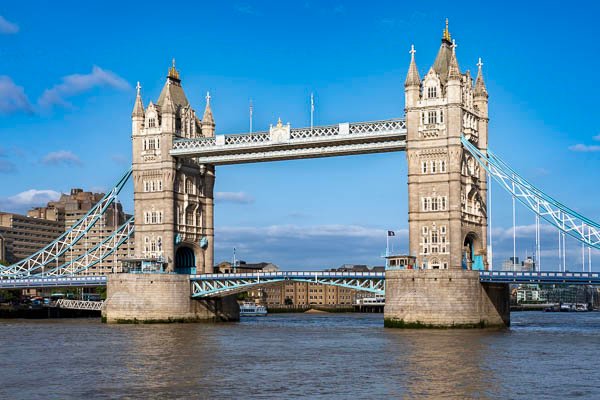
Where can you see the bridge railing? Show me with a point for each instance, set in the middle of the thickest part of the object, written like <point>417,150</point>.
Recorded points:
<point>299,135</point>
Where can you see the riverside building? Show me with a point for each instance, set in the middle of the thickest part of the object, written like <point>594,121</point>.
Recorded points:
<point>69,209</point>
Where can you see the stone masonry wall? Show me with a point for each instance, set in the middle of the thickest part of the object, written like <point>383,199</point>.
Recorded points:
<point>444,298</point>
<point>161,298</point>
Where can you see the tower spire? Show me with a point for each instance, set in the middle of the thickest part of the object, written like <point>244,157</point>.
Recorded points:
<point>453,69</point>
<point>208,115</point>
<point>446,34</point>
<point>412,78</point>
<point>173,73</point>
<point>208,121</point>
<point>480,89</point>
<point>138,107</point>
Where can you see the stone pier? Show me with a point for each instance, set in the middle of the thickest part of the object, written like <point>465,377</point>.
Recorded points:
<point>157,298</point>
<point>444,299</point>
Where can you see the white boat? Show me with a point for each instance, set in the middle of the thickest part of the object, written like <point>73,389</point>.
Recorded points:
<point>252,310</point>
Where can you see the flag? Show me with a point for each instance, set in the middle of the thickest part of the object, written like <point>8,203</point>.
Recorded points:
<point>391,233</point>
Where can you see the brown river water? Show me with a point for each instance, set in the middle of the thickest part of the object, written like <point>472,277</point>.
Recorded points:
<point>283,356</point>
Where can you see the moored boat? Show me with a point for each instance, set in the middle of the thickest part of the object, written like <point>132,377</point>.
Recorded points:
<point>248,309</point>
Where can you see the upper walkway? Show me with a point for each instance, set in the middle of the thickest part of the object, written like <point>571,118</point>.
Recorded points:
<point>282,142</point>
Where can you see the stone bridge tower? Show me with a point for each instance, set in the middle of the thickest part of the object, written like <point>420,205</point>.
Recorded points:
<point>173,197</point>
<point>446,187</point>
<point>447,204</point>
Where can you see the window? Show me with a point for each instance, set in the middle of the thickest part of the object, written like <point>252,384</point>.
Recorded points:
<point>432,92</point>
<point>431,117</point>
<point>189,187</point>
<point>434,167</point>
<point>441,116</point>
<point>443,229</point>
<point>422,118</point>
<point>443,166</point>
<point>434,237</point>
<point>424,167</point>
<point>152,123</point>
<point>425,230</point>
<point>434,204</point>
<point>443,202</point>
<point>426,202</point>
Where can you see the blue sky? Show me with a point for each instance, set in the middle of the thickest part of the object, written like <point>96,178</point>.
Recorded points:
<point>67,78</point>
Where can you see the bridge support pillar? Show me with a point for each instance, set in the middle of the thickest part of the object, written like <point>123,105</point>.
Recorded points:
<point>158,298</point>
<point>444,299</point>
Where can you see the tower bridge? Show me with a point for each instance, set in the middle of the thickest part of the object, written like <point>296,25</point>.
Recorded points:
<point>444,133</point>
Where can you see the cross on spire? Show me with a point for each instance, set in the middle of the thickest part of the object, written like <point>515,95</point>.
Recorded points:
<point>480,63</point>
<point>138,87</point>
<point>412,50</point>
<point>207,98</point>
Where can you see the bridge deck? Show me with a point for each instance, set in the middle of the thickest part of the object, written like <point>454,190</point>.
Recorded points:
<point>325,277</point>
<point>284,143</point>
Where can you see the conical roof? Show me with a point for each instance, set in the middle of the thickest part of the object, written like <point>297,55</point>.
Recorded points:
<point>453,69</point>
<point>480,89</point>
<point>207,118</point>
<point>442,61</point>
<point>138,107</point>
<point>174,89</point>
<point>412,77</point>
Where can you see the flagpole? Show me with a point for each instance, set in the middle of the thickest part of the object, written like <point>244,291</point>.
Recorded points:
<point>251,109</point>
<point>387,248</point>
<point>312,110</point>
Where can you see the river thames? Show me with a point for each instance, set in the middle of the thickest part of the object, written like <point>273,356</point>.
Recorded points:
<point>330,356</point>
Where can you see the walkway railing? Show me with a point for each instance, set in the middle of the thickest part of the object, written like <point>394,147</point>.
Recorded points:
<point>80,304</point>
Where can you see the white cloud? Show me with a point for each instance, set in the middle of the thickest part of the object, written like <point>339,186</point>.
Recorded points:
<point>21,202</point>
<point>61,157</point>
<point>7,27</point>
<point>597,137</point>
<point>72,85</point>
<point>12,97</point>
<point>584,148</point>
<point>234,197</point>
<point>307,247</point>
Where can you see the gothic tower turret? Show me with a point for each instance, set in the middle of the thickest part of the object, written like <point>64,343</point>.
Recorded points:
<point>446,187</point>
<point>412,84</point>
<point>173,197</point>
<point>137,116</point>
